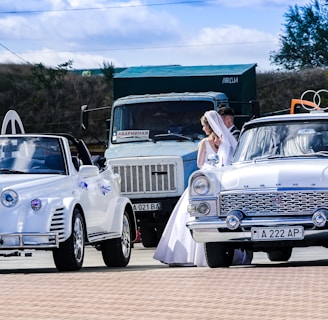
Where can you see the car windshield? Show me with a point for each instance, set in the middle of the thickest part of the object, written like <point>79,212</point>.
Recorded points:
<point>283,139</point>
<point>159,121</point>
<point>31,155</point>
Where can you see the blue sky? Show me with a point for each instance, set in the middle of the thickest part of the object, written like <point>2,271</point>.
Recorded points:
<point>141,32</point>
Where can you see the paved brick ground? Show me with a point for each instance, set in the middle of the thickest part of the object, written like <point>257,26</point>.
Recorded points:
<point>167,293</point>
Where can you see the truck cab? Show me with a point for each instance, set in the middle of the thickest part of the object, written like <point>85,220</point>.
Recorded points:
<point>153,144</point>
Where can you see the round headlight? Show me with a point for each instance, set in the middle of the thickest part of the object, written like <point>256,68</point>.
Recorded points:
<point>319,218</point>
<point>201,185</point>
<point>204,208</point>
<point>233,219</point>
<point>9,198</point>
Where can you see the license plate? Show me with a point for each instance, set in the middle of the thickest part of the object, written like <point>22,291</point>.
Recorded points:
<point>277,233</point>
<point>155,206</point>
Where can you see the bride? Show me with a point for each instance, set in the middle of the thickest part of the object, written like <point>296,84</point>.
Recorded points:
<point>176,246</point>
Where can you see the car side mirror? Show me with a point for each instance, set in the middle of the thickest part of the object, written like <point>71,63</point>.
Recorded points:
<point>87,171</point>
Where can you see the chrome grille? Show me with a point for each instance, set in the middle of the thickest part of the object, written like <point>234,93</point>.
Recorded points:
<point>156,178</point>
<point>58,224</point>
<point>274,203</point>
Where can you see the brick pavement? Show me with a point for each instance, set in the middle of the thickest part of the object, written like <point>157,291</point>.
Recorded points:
<point>238,293</point>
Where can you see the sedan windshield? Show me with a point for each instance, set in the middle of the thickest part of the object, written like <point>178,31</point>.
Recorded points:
<point>283,139</point>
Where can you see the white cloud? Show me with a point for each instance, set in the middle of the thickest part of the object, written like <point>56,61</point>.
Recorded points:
<point>134,33</point>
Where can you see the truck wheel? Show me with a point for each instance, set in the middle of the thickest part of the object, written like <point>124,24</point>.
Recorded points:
<point>117,252</point>
<point>70,254</point>
<point>282,254</point>
<point>218,255</point>
<point>149,237</point>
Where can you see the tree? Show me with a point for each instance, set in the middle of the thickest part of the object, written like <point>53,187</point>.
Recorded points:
<point>305,40</point>
<point>108,71</point>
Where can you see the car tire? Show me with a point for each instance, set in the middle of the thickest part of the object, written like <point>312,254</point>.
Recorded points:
<point>117,252</point>
<point>282,254</point>
<point>218,255</point>
<point>70,254</point>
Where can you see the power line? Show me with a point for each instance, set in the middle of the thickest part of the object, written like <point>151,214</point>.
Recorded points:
<point>14,53</point>
<point>107,7</point>
<point>151,48</point>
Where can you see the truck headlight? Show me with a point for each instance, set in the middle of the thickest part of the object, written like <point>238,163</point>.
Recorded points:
<point>201,185</point>
<point>9,198</point>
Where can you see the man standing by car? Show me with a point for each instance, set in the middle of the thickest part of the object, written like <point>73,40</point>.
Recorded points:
<point>228,116</point>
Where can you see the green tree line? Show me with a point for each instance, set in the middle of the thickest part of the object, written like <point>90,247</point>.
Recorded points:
<point>49,100</point>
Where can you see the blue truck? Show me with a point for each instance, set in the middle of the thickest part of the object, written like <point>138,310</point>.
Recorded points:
<point>155,130</point>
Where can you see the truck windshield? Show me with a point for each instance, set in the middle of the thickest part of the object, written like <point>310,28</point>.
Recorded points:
<point>279,140</point>
<point>154,120</point>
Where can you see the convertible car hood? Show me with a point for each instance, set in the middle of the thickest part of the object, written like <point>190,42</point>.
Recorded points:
<point>289,174</point>
<point>21,182</point>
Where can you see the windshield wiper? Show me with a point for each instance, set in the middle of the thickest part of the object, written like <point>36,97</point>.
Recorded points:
<point>6,170</point>
<point>318,153</point>
<point>279,156</point>
<point>172,136</point>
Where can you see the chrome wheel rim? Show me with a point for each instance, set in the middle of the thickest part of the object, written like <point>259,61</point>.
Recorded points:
<point>78,240</point>
<point>126,238</point>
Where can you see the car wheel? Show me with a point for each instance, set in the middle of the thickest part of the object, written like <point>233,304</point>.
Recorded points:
<point>70,254</point>
<point>117,252</point>
<point>149,237</point>
<point>218,255</point>
<point>282,254</point>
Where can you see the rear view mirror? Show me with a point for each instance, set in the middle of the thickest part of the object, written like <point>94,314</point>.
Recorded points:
<point>84,117</point>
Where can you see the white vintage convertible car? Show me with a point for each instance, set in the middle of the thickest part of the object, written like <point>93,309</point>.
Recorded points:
<point>55,196</point>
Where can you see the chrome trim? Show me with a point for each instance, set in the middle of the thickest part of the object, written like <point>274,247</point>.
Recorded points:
<point>257,203</point>
<point>28,244</point>
<point>141,178</point>
<point>207,230</point>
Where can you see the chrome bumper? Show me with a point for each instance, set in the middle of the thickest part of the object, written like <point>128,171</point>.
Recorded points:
<point>23,241</point>
<point>208,229</point>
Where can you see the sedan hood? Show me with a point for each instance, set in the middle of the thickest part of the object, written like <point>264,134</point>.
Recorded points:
<point>281,174</point>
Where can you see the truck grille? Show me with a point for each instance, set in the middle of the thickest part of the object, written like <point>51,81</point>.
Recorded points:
<point>154,178</point>
<point>275,203</point>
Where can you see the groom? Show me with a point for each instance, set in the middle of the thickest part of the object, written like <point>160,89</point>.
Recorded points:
<point>228,117</point>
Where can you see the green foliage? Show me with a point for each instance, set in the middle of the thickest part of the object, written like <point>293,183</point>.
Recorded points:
<point>277,89</point>
<point>57,108</point>
<point>108,71</point>
<point>49,78</point>
<point>305,40</point>
<point>49,99</point>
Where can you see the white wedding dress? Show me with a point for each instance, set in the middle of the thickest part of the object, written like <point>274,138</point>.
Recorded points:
<point>176,246</point>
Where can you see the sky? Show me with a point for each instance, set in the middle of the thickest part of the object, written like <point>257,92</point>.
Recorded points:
<point>142,32</point>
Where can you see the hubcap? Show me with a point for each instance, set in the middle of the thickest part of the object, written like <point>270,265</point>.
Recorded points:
<point>126,238</point>
<point>78,239</point>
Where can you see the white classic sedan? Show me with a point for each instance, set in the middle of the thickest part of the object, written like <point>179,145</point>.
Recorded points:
<point>274,195</point>
<point>55,196</point>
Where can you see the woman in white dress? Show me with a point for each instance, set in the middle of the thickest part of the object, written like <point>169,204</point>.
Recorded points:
<point>176,246</point>
<point>207,147</point>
